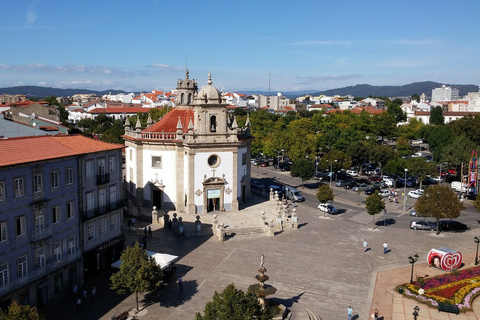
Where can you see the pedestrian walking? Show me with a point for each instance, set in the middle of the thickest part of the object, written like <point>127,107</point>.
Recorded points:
<point>350,311</point>
<point>145,231</point>
<point>375,314</point>
<point>365,246</point>
<point>78,304</point>
<point>133,222</point>
<point>385,247</point>
<point>129,224</point>
<point>150,231</point>
<point>85,294</point>
<point>94,292</point>
<point>75,289</point>
<point>180,284</point>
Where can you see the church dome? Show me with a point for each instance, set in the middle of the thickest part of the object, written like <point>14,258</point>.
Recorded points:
<point>209,94</point>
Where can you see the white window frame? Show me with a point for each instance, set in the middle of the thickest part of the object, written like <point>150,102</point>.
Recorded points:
<point>103,227</point>
<point>113,164</point>
<point>22,264</point>
<point>102,198</point>
<point>56,217</point>
<point>3,274</point>
<point>69,176</point>
<point>113,222</point>
<point>2,191</point>
<point>89,172</point>
<point>113,196</point>
<point>3,231</point>
<point>54,183</point>
<point>91,231</point>
<point>41,259</point>
<point>70,210</point>
<point>90,201</point>
<point>57,251</point>
<point>39,222</point>
<point>101,166</point>
<point>19,188</point>
<point>71,245</point>
<point>21,226</point>
<point>38,183</point>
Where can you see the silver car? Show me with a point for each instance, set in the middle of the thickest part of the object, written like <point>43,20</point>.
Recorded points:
<point>360,187</point>
<point>422,225</point>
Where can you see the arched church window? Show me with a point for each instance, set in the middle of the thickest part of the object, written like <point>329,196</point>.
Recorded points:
<point>182,98</point>
<point>189,98</point>
<point>213,124</point>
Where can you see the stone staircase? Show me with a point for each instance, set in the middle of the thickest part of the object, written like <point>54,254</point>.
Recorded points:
<point>244,231</point>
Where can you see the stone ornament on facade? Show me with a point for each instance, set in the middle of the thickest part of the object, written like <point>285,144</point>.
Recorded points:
<point>228,191</point>
<point>198,192</point>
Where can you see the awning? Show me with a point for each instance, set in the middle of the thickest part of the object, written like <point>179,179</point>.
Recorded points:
<point>164,260</point>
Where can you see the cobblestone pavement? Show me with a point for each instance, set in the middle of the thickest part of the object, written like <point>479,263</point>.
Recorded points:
<point>321,266</point>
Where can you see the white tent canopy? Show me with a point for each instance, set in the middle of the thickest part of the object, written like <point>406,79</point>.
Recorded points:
<point>164,260</point>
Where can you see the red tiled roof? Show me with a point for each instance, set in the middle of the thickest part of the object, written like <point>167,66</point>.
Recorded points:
<point>169,122</point>
<point>40,148</point>
<point>289,108</point>
<point>231,106</point>
<point>48,128</point>
<point>132,110</point>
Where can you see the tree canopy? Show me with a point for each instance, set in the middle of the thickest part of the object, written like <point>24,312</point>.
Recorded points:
<point>234,304</point>
<point>20,312</point>
<point>374,204</point>
<point>439,202</point>
<point>138,273</point>
<point>304,169</point>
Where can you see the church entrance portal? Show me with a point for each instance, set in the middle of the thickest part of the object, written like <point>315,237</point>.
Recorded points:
<point>213,198</point>
<point>157,198</point>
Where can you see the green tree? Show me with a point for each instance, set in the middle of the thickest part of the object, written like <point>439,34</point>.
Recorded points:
<point>336,160</point>
<point>384,125</point>
<point>403,147</point>
<point>439,202</point>
<point>458,151</point>
<point>359,152</point>
<point>303,169</point>
<point>325,194</point>
<point>234,304</point>
<point>436,116</point>
<point>20,312</point>
<point>138,273</point>
<point>396,111</point>
<point>382,154</point>
<point>374,204</point>
<point>415,97</point>
<point>420,168</point>
<point>476,203</point>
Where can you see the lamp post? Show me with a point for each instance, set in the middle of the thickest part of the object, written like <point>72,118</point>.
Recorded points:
<point>477,241</point>
<point>331,172</point>
<point>412,260</point>
<point>405,190</point>
<point>278,161</point>
<point>415,312</point>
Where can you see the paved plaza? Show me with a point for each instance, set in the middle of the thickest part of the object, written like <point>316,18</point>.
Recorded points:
<point>321,266</point>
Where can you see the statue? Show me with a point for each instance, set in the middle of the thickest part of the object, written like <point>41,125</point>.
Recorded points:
<point>262,260</point>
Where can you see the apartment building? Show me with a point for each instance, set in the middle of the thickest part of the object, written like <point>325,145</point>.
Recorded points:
<point>54,190</point>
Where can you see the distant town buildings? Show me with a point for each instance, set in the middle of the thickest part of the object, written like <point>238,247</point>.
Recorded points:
<point>445,94</point>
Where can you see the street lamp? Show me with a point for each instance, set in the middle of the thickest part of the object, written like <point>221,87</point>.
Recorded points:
<point>331,172</point>
<point>405,190</point>
<point>477,241</point>
<point>278,160</point>
<point>415,312</point>
<point>412,260</point>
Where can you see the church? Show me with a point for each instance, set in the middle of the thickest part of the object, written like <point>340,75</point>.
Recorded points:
<point>194,160</point>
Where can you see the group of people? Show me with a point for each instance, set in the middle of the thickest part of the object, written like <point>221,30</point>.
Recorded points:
<point>366,247</point>
<point>86,296</point>
<point>393,197</point>
<point>131,223</point>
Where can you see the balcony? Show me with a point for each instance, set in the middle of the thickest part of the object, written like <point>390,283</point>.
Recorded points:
<point>103,178</point>
<point>103,209</point>
<point>41,233</point>
<point>37,273</point>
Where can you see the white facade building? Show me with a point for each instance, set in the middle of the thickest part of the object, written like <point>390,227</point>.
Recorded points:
<point>194,160</point>
<point>445,94</point>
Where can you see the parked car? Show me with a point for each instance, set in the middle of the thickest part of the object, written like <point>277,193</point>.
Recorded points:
<point>439,179</point>
<point>275,188</point>
<point>452,225</point>
<point>375,178</point>
<point>328,208</point>
<point>458,186</point>
<point>350,184</point>
<point>256,185</point>
<point>429,181</point>
<point>353,173</point>
<point>363,181</point>
<point>292,193</point>
<point>264,164</point>
<point>415,193</point>
<point>371,189</point>
<point>401,182</point>
<point>360,187</point>
<point>385,193</point>
<point>422,225</point>
<point>341,183</point>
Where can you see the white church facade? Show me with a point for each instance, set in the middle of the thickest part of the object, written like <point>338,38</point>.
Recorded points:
<point>194,160</point>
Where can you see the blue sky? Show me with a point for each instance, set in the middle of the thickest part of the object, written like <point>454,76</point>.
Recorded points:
<point>305,45</point>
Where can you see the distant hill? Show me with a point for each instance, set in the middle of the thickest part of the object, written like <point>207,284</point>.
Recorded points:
<point>365,90</point>
<point>359,90</point>
<point>41,92</point>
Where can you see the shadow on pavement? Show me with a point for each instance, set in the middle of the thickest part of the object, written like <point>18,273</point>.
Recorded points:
<point>288,302</point>
<point>386,222</point>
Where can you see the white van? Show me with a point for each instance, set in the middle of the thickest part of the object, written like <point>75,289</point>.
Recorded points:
<point>459,186</point>
<point>292,193</point>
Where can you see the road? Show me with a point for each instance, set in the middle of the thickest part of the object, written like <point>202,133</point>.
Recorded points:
<point>349,202</point>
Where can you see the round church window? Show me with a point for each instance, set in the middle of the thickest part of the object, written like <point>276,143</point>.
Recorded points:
<point>214,160</point>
